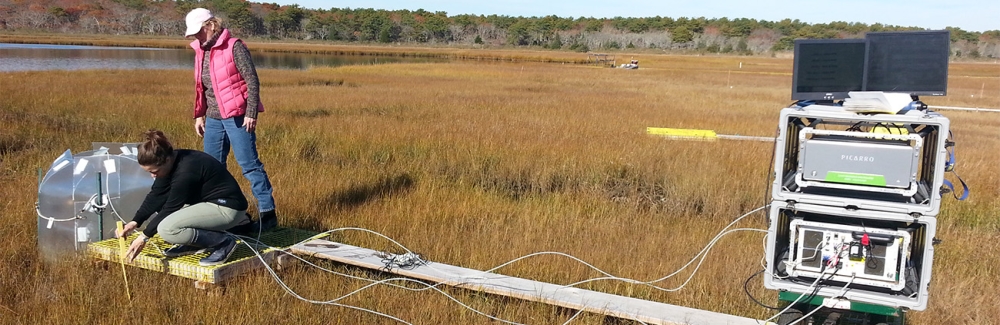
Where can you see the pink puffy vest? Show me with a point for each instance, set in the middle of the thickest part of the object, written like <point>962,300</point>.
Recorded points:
<point>228,86</point>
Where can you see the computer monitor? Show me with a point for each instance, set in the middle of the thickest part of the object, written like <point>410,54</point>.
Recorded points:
<point>827,69</point>
<point>913,62</point>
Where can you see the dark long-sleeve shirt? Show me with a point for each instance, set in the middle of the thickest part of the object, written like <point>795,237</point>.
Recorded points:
<point>196,177</point>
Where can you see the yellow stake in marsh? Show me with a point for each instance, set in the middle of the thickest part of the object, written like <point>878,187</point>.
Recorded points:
<point>121,258</point>
<point>692,134</point>
<point>683,133</point>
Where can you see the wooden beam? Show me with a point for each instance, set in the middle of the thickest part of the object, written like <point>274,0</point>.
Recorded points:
<point>972,109</point>
<point>569,297</point>
<point>693,134</point>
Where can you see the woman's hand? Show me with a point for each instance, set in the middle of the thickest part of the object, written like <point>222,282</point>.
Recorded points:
<point>135,248</point>
<point>129,227</point>
<point>199,126</point>
<point>250,124</point>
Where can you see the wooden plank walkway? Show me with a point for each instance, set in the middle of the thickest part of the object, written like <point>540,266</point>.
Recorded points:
<point>574,298</point>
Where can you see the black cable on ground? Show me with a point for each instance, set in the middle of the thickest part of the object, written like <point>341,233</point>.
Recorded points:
<point>747,290</point>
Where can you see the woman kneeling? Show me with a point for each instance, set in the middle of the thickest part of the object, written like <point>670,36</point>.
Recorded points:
<point>195,200</point>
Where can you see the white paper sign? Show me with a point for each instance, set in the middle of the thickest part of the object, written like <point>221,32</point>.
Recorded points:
<point>60,165</point>
<point>82,235</point>
<point>80,166</point>
<point>110,166</point>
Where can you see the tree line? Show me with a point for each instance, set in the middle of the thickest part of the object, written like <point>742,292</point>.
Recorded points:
<point>270,21</point>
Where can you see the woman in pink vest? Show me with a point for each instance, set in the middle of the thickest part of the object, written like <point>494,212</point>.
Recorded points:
<point>227,101</point>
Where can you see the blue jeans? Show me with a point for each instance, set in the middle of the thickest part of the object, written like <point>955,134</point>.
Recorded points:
<point>220,135</point>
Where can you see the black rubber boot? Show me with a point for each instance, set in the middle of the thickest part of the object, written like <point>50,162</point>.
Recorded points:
<point>245,228</point>
<point>220,244</point>
<point>268,220</point>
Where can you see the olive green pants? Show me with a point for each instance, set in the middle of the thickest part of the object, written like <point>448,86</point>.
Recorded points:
<point>179,227</point>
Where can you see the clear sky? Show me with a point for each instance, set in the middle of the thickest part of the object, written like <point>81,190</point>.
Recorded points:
<point>969,15</point>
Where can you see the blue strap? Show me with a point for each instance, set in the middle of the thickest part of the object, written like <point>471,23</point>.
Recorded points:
<point>950,166</point>
<point>951,188</point>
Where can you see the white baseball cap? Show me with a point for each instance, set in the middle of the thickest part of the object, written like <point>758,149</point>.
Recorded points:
<point>195,19</point>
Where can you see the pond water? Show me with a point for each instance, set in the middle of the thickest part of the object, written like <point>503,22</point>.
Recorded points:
<point>40,57</point>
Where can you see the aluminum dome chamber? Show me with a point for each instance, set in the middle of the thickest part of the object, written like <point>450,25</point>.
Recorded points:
<point>83,195</point>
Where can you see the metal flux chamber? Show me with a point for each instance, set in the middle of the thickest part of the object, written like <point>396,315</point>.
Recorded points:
<point>82,196</point>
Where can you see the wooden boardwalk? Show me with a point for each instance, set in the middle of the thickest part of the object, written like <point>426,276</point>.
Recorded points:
<point>574,298</point>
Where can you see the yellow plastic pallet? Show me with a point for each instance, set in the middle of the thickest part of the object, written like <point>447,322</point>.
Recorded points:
<point>242,260</point>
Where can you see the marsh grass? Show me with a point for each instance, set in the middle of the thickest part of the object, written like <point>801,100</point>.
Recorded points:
<point>475,164</point>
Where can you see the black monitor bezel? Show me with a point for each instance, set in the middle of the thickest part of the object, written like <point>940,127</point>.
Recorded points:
<point>827,96</point>
<point>945,53</point>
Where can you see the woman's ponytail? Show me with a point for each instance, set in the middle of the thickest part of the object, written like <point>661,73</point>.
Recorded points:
<point>155,149</point>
